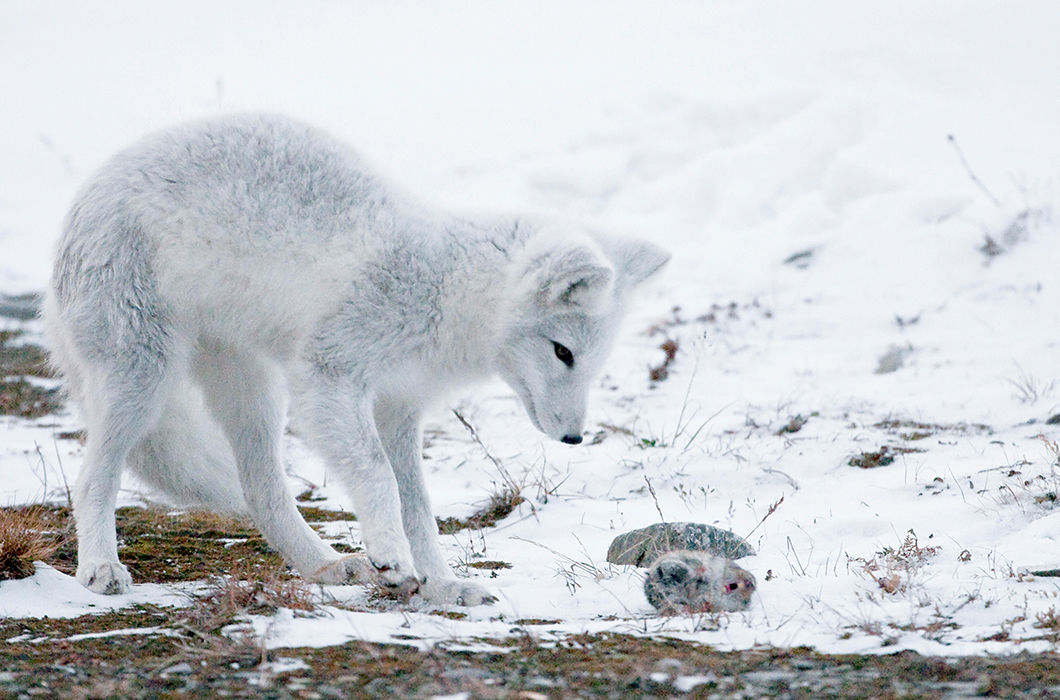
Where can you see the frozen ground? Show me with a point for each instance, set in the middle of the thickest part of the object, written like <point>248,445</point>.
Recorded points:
<point>737,134</point>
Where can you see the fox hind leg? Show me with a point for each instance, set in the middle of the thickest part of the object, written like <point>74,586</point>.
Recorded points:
<point>126,401</point>
<point>109,338</point>
<point>110,334</point>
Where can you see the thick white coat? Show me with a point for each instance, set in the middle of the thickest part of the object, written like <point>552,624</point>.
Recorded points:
<point>213,276</point>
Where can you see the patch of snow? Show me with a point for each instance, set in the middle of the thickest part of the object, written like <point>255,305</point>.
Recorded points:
<point>736,134</point>
<point>686,684</point>
<point>162,631</point>
<point>51,593</point>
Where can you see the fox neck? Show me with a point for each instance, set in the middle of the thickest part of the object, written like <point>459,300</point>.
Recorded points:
<point>476,300</point>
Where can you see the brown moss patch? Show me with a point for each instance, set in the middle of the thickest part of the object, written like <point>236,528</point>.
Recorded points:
<point>661,371</point>
<point>915,435</point>
<point>18,396</point>
<point>871,460</point>
<point>75,435</point>
<point>794,425</point>
<point>921,430</point>
<point>24,399</point>
<point>499,507</point>
<point>22,359</point>
<point>489,565</point>
<point>880,458</point>
<point>44,662</point>
<point>536,621</point>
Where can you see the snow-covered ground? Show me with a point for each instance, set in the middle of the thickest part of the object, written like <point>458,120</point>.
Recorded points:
<point>737,134</point>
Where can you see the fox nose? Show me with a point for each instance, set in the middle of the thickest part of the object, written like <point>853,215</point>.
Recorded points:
<point>572,439</point>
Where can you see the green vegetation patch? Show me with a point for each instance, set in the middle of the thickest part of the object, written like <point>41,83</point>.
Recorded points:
<point>158,546</point>
<point>312,514</point>
<point>164,547</point>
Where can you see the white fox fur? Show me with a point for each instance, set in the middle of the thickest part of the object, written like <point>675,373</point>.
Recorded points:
<point>213,273</point>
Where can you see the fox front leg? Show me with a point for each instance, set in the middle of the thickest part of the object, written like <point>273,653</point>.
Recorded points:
<point>400,431</point>
<point>339,425</point>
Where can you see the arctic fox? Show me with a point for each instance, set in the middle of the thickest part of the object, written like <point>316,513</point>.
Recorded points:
<point>214,273</point>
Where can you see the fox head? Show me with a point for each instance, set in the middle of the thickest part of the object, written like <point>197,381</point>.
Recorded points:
<point>569,291</point>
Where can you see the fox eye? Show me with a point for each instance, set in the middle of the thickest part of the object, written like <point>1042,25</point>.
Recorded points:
<point>563,354</point>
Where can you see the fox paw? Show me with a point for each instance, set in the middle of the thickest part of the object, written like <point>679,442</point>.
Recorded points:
<point>392,580</point>
<point>452,591</point>
<point>345,570</point>
<point>396,581</point>
<point>105,577</point>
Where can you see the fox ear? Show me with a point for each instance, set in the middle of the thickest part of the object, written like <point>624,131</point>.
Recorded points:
<point>577,277</point>
<point>635,260</point>
<point>569,276</point>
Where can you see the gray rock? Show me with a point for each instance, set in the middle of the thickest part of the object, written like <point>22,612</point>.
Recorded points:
<point>892,360</point>
<point>643,546</point>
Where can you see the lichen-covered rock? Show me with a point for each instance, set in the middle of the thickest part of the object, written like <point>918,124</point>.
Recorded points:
<point>682,582</point>
<point>643,546</point>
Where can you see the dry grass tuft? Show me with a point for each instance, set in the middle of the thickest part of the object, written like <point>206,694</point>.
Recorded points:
<point>662,371</point>
<point>893,569</point>
<point>26,536</point>
<point>1048,620</point>
<point>793,425</point>
<point>250,589</point>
